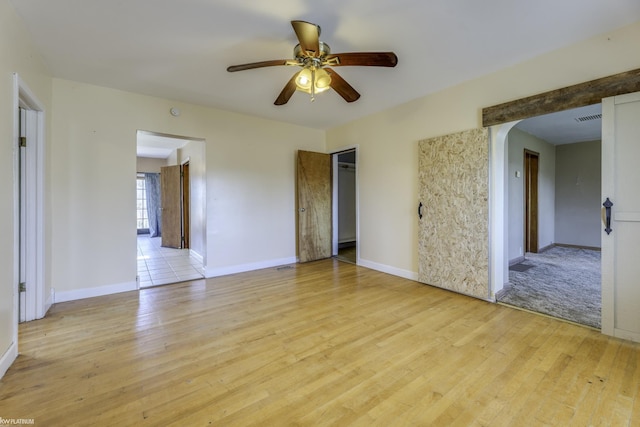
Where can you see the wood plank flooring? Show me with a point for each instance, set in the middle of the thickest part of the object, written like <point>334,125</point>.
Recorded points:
<point>323,343</point>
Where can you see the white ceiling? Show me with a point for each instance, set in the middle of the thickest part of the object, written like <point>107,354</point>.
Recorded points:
<point>566,127</point>
<point>180,49</point>
<point>157,146</point>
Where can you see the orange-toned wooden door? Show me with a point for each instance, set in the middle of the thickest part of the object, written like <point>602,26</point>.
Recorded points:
<point>531,162</point>
<point>170,190</point>
<point>314,205</point>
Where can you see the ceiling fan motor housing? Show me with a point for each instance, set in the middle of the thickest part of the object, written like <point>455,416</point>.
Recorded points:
<point>299,54</point>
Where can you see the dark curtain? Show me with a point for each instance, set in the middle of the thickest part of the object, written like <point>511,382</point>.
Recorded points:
<point>152,186</point>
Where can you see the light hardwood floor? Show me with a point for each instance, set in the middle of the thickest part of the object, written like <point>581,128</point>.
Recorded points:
<point>324,343</point>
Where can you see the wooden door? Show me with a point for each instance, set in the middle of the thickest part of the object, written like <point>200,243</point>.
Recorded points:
<point>531,160</point>
<point>314,205</point>
<point>620,247</point>
<point>453,194</point>
<point>171,206</point>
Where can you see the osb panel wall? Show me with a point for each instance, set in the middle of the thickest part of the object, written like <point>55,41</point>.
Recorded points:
<point>454,190</point>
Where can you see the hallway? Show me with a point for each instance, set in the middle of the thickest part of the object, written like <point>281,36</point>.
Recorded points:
<point>161,266</point>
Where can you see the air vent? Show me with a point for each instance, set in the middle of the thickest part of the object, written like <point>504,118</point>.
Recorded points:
<point>588,118</point>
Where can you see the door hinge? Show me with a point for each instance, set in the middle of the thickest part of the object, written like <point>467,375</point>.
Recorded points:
<point>22,287</point>
<point>23,141</point>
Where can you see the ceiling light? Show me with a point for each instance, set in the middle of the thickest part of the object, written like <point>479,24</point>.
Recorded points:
<point>313,80</point>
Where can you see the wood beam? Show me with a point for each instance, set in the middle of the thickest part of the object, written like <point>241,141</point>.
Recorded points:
<point>566,98</point>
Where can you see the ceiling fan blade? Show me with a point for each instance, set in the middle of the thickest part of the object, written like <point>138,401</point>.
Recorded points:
<point>309,37</point>
<point>288,90</point>
<point>341,86</point>
<point>261,64</point>
<point>373,59</point>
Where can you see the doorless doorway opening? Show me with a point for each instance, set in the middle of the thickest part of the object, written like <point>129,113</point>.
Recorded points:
<point>345,206</point>
<point>173,249</point>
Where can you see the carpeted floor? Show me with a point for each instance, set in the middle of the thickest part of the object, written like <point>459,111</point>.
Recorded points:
<point>560,282</point>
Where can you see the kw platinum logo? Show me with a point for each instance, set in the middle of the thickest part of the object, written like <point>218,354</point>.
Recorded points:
<point>16,421</point>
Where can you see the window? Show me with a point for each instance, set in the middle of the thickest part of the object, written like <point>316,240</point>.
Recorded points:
<point>141,205</point>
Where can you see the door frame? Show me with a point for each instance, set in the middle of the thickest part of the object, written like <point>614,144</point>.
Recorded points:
<point>498,208</point>
<point>500,119</point>
<point>334,214</point>
<point>37,300</point>
<point>185,183</point>
<point>197,169</point>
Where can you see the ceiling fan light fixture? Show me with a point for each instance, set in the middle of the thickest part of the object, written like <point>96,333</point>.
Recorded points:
<point>304,79</point>
<point>313,55</point>
<point>323,80</point>
<point>313,80</point>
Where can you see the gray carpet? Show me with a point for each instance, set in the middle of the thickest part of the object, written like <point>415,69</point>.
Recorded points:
<point>560,282</point>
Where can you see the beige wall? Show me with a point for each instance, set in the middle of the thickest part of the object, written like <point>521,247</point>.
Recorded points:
<point>578,194</point>
<point>517,142</point>
<point>195,153</point>
<point>388,165</point>
<point>249,185</point>
<point>17,55</point>
<point>149,165</point>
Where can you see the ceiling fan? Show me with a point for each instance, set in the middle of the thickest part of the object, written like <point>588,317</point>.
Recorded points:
<point>315,59</point>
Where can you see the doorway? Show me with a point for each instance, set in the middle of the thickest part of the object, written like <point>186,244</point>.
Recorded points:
<point>553,211</point>
<point>33,297</point>
<point>345,240</point>
<point>323,198</point>
<point>500,119</point>
<point>171,242</point>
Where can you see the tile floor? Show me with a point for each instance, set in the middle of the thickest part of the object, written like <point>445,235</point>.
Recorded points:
<point>161,266</point>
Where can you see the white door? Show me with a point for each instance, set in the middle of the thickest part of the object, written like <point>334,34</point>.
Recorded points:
<point>28,285</point>
<point>23,241</point>
<point>621,247</point>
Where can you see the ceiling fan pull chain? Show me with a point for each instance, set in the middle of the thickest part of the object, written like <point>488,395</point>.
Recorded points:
<point>313,84</point>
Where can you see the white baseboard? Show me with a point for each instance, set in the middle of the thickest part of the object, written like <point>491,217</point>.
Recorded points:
<point>517,260</point>
<point>197,256</point>
<point>347,240</point>
<point>76,294</point>
<point>407,275</point>
<point>7,358</point>
<point>241,268</point>
<point>49,302</point>
<point>411,275</point>
<point>627,335</point>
